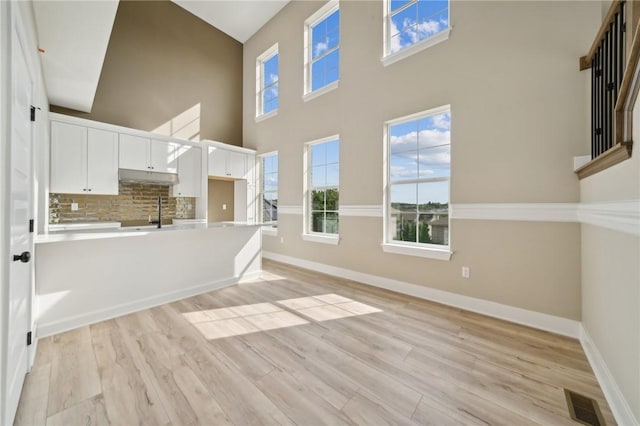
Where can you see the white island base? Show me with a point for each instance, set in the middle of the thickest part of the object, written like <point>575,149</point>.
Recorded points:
<point>81,280</point>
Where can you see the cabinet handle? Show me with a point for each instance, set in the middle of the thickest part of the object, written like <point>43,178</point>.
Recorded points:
<point>89,189</point>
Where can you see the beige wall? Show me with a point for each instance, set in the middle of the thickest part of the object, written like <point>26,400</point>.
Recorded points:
<point>168,70</point>
<point>611,276</point>
<point>220,193</point>
<point>519,115</point>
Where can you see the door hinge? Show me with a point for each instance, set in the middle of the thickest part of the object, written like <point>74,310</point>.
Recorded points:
<point>29,339</point>
<point>33,113</point>
<point>31,225</point>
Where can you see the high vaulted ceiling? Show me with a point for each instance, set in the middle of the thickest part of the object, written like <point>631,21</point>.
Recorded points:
<point>238,18</point>
<point>74,35</point>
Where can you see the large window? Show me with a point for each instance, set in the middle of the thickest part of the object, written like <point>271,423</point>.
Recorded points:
<point>322,48</point>
<point>267,82</point>
<point>417,189</point>
<point>269,187</point>
<point>322,187</point>
<point>411,25</point>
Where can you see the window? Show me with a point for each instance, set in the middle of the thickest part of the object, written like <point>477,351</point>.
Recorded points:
<point>322,165</point>
<point>267,82</point>
<point>269,187</point>
<point>418,152</point>
<point>322,50</point>
<point>413,25</point>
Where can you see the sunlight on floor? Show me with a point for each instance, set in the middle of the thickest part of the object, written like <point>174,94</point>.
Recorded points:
<point>245,319</point>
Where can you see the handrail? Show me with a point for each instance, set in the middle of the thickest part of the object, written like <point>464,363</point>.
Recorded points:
<point>628,91</point>
<point>623,110</point>
<point>585,61</point>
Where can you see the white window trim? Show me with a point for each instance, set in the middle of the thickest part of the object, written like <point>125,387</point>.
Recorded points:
<point>267,115</point>
<point>318,237</point>
<point>432,251</point>
<point>321,91</point>
<point>319,15</point>
<point>260,60</point>
<point>391,58</point>
<point>270,230</point>
<point>428,252</point>
<point>332,239</point>
<point>260,159</point>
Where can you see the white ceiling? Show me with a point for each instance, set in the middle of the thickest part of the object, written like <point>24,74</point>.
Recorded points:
<point>239,19</point>
<point>74,36</point>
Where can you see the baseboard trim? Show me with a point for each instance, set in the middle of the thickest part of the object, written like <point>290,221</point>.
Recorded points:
<point>70,323</point>
<point>554,324</point>
<point>618,404</point>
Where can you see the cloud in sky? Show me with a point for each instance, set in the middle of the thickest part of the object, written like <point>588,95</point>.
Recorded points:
<point>321,47</point>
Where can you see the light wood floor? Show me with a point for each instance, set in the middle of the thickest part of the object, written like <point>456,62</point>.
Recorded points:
<point>351,354</point>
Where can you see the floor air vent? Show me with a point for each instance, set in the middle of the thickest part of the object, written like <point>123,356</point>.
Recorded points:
<point>583,409</point>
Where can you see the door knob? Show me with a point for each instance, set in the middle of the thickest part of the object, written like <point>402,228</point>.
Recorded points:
<point>24,257</point>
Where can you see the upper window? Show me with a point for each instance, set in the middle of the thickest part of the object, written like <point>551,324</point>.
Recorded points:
<point>411,25</point>
<point>269,187</point>
<point>322,186</point>
<point>322,48</point>
<point>418,171</point>
<point>267,82</point>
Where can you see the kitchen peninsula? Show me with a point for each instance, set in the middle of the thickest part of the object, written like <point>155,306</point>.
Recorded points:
<point>87,276</point>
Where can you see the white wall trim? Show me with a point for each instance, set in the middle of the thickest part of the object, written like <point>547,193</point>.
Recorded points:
<point>537,320</point>
<point>374,210</point>
<point>289,209</point>
<point>72,322</point>
<point>537,212</point>
<point>623,216</point>
<point>618,404</point>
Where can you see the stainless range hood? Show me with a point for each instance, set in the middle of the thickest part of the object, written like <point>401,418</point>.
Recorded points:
<point>155,178</point>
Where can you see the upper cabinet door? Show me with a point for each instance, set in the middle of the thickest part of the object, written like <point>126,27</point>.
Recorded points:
<point>236,165</point>
<point>189,171</point>
<point>164,156</point>
<point>217,162</point>
<point>68,158</point>
<point>102,161</point>
<point>134,153</point>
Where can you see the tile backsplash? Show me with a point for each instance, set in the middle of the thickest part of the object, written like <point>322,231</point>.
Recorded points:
<point>134,202</point>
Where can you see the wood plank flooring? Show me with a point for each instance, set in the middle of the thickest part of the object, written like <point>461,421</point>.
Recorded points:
<point>300,348</point>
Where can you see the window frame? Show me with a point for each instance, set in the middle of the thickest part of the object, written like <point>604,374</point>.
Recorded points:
<point>261,88</point>
<point>321,14</point>
<point>389,57</point>
<point>389,245</point>
<point>271,227</point>
<point>307,234</point>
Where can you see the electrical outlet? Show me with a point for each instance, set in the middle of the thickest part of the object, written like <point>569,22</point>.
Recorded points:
<point>224,207</point>
<point>465,272</point>
<point>281,240</point>
<point>74,207</point>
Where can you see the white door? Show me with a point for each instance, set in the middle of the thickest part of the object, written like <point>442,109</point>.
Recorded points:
<point>21,242</point>
<point>68,158</point>
<point>134,153</point>
<point>102,162</point>
<point>164,156</point>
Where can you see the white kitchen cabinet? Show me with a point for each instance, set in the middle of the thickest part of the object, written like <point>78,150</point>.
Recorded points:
<point>189,172</point>
<point>83,160</point>
<point>138,153</point>
<point>251,169</point>
<point>227,163</point>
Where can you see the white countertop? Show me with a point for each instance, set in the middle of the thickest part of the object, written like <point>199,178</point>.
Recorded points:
<point>132,231</point>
